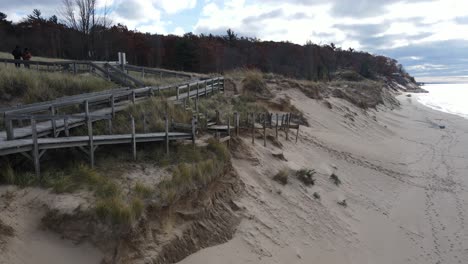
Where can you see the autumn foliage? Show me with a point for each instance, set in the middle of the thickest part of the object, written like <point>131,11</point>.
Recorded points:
<point>195,53</point>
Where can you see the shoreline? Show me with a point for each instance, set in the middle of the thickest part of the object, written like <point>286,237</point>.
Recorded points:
<point>403,179</point>
<point>443,108</point>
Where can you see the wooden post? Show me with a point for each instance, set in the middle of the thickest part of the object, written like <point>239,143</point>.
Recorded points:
<point>110,129</point>
<point>236,123</point>
<point>217,117</point>
<point>229,130</point>
<point>196,105</point>
<point>90,140</point>
<point>188,93</point>
<point>133,138</point>
<point>74,68</point>
<point>112,103</point>
<point>166,126</point>
<point>177,96</point>
<point>53,121</point>
<point>194,128</point>
<point>206,91</point>
<point>9,128</point>
<point>198,88</point>
<point>35,150</point>
<point>145,127</point>
<point>264,131</point>
<point>151,92</point>
<point>287,126</point>
<point>297,134</point>
<point>86,108</point>
<point>133,97</point>
<point>142,72</point>
<point>185,103</point>
<point>276,126</point>
<point>270,121</point>
<point>253,128</point>
<point>65,127</point>
<point>223,83</point>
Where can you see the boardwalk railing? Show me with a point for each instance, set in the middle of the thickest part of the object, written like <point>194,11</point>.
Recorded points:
<point>252,123</point>
<point>35,147</point>
<point>109,102</point>
<point>155,71</point>
<point>103,69</point>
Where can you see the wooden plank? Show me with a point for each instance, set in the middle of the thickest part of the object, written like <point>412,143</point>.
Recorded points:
<point>35,151</point>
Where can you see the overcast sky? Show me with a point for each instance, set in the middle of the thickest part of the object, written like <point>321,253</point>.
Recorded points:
<point>430,38</point>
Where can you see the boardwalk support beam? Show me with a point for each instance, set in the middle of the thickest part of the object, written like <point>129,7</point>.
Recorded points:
<point>35,151</point>
<point>133,138</point>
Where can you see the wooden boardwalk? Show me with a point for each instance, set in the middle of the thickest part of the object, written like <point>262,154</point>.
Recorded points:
<point>111,71</point>
<point>27,145</point>
<point>115,101</point>
<point>28,141</point>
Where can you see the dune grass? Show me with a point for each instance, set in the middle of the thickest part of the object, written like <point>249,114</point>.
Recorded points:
<point>282,176</point>
<point>209,163</point>
<point>306,176</point>
<point>29,86</point>
<point>156,80</point>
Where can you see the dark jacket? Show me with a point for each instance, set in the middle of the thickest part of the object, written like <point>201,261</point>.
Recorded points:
<point>17,53</point>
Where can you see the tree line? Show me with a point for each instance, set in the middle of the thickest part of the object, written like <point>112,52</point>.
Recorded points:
<point>91,37</point>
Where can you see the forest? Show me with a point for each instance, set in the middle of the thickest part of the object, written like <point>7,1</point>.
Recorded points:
<point>89,38</point>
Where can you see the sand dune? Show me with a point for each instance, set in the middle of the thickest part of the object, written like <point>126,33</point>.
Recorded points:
<point>404,180</point>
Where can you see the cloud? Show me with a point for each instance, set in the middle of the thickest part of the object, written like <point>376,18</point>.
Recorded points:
<point>438,58</point>
<point>462,20</point>
<point>174,6</point>
<point>179,31</point>
<point>276,13</point>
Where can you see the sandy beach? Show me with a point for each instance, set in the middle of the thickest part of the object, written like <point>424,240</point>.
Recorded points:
<point>404,180</point>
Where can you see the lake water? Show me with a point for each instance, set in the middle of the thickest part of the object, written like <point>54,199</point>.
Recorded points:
<point>449,98</point>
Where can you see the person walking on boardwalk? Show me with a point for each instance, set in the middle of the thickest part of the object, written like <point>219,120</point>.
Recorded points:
<point>17,55</point>
<point>27,56</point>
